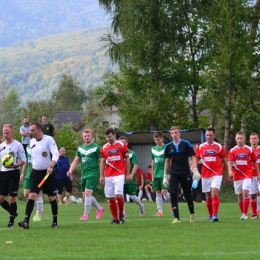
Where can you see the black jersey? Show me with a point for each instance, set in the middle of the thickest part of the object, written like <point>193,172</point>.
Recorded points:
<point>179,156</point>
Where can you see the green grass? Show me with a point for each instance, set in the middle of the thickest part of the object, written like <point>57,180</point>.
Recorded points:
<point>138,238</point>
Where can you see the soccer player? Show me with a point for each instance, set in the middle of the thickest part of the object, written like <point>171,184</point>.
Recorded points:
<point>25,176</point>
<point>130,186</point>
<point>44,154</point>
<point>149,183</point>
<point>25,132</point>
<point>212,156</point>
<point>10,175</point>
<point>158,161</point>
<point>114,169</point>
<point>240,167</point>
<point>177,154</point>
<point>254,140</point>
<point>89,156</point>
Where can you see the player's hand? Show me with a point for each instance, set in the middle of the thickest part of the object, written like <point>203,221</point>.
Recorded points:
<point>231,174</point>
<point>69,173</point>
<point>129,177</point>
<point>196,174</point>
<point>102,180</point>
<point>227,179</point>
<point>22,177</point>
<point>165,181</point>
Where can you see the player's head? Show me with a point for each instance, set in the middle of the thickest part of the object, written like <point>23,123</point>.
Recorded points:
<point>175,133</point>
<point>254,139</point>
<point>123,139</point>
<point>210,135</point>
<point>240,138</point>
<point>158,138</point>
<point>87,136</point>
<point>62,151</point>
<point>8,132</point>
<point>44,120</point>
<point>149,168</point>
<point>110,135</point>
<point>36,130</point>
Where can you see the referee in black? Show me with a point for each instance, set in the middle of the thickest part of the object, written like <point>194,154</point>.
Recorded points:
<point>44,155</point>
<point>177,155</point>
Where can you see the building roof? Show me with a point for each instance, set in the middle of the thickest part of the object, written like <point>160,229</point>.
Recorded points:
<point>195,136</point>
<point>66,117</point>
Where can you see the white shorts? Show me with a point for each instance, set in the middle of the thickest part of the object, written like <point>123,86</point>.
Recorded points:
<point>241,185</point>
<point>254,185</point>
<point>114,186</point>
<point>212,182</point>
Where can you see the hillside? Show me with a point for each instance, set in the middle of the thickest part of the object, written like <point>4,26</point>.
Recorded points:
<point>35,67</point>
<point>22,20</point>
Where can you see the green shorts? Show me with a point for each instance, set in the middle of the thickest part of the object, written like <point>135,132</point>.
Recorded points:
<point>130,188</point>
<point>89,184</point>
<point>158,184</point>
<point>27,184</point>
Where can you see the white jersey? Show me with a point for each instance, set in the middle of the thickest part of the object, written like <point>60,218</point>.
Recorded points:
<point>16,149</point>
<point>43,152</point>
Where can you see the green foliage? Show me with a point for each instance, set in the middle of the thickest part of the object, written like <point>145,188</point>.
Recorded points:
<point>65,137</point>
<point>69,96</point>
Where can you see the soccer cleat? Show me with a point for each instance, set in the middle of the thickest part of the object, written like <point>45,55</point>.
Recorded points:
<point>114,221</point>
<point>254,217</point>
<point>142,212</point>
<point>210,218</point>
<point>158,214</point>
<point>42,210</point>
<point>23,224</point>
<point>215,218</point>
<point>83,217</point>
<point>244,217</point>
<point>176,220</point>
<point>192,217</point>
<point>258,211</point>
<point>171,210</point>
<point>99,213</point>
<point>54,225</point>
<point>36,219</point>
<point>10,225</point>
<point>121,219</point>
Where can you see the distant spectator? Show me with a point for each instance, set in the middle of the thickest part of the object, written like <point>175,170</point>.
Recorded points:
<point>61,168</point>
<point>148,183</point>
<point>140,182</point>
<point>25,132</point>
<point>48,128</point>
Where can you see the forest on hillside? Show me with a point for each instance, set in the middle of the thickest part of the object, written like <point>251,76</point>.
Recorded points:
<point>22,20</point>
<point>34,68</point>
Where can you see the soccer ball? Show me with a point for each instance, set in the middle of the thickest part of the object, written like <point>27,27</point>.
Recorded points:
<point>73,199</point>
<point>7,160</point>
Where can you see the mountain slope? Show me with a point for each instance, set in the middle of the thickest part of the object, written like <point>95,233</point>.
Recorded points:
<point>35,67</point>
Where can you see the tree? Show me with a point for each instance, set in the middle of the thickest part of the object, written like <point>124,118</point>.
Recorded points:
<point>69,96</point>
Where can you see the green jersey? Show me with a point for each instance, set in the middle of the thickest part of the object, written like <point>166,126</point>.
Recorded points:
<point>89,160</point>
<point>159,160</point>
<point>29,162</point>
<point>133,161</point>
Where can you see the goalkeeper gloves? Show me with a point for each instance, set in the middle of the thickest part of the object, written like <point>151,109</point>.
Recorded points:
<point>165,181</point>
<point>196,174</point>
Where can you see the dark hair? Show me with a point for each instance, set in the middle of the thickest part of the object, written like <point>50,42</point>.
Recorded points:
<point>255,134</point>
<point>38,125</point>
<point>123,138</point>
<point>149,166</point>
<point>158,134</point>
<point>211,129</point>
<point>110,131</point>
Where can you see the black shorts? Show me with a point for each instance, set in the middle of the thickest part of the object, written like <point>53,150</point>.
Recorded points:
<point>49,186</point>
<point>9,183</point>
<point>67,183</point>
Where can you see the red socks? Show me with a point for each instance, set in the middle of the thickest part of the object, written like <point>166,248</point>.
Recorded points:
<point>209,206</point>
<point>215,205</point>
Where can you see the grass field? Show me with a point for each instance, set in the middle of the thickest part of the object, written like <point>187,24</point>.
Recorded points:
<point>138,238</point>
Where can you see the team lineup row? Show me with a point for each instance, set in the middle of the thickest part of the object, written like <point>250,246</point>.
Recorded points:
<point>115,166</point>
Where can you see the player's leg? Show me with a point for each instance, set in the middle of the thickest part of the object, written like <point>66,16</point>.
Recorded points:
<point>206,187</point>
<point>60,185</point>
<point>174,186</point>
<point>109,190</point>
<point>215,188</point>
<point>186,182</point>
<point>253,197</point>
<point>14,178</point>
<point>119,188</point>
<point>68,188</point>
<point>140,191</point>
<point>246,197</point>
<point>238,190</point>
<point>135,199</point>
<point>159,200</point>
<point>39,206</point>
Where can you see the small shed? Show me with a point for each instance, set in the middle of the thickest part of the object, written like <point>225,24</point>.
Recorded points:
<point>142,142</point>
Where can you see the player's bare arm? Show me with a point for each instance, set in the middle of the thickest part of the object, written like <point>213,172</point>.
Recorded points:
<point>73,166</point>
<point>257,169</point>
<point>127,166</point>
<point>152,164</point>
<point>102,170</point>
<point>225,166</point>
<point>135,168</point>
<point>194,163</point>
<point>230,172</point>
